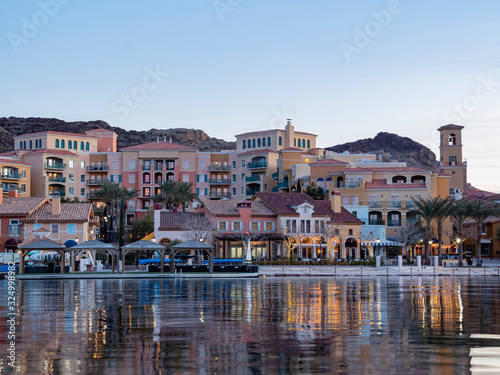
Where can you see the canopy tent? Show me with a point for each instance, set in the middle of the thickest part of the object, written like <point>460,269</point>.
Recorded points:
<point>43,245</point>
<point>144,245</point>
<point>149,237</point>
<point>93,245</point>
<point>194,245</point>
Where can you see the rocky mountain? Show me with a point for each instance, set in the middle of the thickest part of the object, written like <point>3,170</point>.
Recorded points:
<point>400,148</point>
<point>12,126</point>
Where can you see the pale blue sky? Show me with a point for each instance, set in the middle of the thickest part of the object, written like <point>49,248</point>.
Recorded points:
<point>241,65</point>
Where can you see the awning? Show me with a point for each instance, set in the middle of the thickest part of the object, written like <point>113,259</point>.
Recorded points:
<point>382,243</point>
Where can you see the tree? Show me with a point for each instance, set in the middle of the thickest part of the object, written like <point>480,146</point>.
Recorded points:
<point>199,228</point>
<point>479,212</point>
<point>142,227</point>
<point>175,193</point>
<point>185,194</point>
<point>411,233</point>
<point>110,194</point>
<point>289,243</point>
<point>425,208</point>
<point>315,192</point>
<point>460,213</point>
<point>442,210</point>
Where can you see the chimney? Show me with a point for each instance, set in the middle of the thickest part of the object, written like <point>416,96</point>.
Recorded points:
<point>289,121</point>
<point>56,206</point>
<point>336,201</point>
<point>13,193</point>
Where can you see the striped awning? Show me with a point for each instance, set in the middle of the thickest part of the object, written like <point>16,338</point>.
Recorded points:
<point>382,243</point>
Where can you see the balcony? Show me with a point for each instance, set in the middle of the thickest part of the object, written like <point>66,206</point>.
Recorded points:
<point>253,179</point>
<point>57,179</point>
<point>11,176</point>
<point>376,222</point>
<point>14,230</point>
<point>411,204</point>
<point>275,176</point>
<point>214,181</point>
<point>216,195</point>
<point>394,223</point>
<point>100,168</point>
<point>57,194</point>
<point>55,166</point>
<point>252,191</point>
<point>146,167</point>
<point>346,184</point>
<point>394,204</point>
<point>375,204</point>
<point>219,168</point>
<point>257,164</point>
<point>93,182</point>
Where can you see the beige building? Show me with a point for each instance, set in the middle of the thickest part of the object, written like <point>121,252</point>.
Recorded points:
<point>15,176</point>
<point>451,161</point>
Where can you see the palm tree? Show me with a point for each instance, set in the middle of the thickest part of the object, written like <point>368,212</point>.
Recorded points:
<point>109,193</point>
<point>169,194</point>
<point>479,212</point>
<point>442,210</point>
<point>185,194</point>
<point>425,208</point>
<point>125,196</point>
<point>460,213</point>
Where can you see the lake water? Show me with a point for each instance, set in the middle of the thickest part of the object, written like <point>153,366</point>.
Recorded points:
<point>269,325</point>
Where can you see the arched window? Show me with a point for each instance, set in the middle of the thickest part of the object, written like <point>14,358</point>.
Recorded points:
<point>249,143</point>
<point>75,145</point>
<point>87,146</point>
<point>258,142</point>
<point>40,143</point>
<point>263,142</point>
<point>36,143</point>
<point>303,143</point>
<point>57,143</point>
<point>62,143</point>
<point>452,140</point>
<point>268,141</point>
<point>244,144</point>
<point>253,143</point>
<point>295,142</point>
<point>70,145</point>
<point>280,141</point>
<point>298,143</point>
<point>25,145</point>
<point>81,146</point>
<point>308,143</point>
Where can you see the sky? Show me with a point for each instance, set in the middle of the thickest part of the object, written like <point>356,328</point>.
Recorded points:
<point>344,70</point>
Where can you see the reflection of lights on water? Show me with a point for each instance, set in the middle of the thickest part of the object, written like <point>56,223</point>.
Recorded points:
<point>460,308</point>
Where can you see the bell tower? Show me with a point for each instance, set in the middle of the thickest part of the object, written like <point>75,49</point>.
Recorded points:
<point>451,162</point>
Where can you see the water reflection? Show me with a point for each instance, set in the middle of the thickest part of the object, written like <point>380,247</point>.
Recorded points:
<point>259,326</point>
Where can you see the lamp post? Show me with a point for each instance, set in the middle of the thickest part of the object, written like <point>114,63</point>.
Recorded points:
<point>378,246</point>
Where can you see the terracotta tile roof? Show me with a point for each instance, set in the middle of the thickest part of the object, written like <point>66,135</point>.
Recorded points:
<point>383,170</point>
<point>8,153</point>
<point>160,146</point>
<point>329,162</point>
<point>52,151</point>
<point>260,132</point>
<point>451,127</point>
<point>382,184</point>
<point>11,161</point>
<point>343,217</point>
<point>353,170</point>
<point>56,133</point>
<point>41,230</point>
<point>291,149</point>
<point>72,212</point>
<point>475,194</point>
<point>20,206</point>
<point>177,220</point>
<point>228,208</point>
<point>489,220</point>
<point>264,151</point>
<point>282,203</point>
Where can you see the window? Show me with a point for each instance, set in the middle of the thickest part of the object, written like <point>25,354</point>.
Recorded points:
<point>351,232</point>
<point>201,164</point>
<point>185,178</point>
<point>199,191</point>
<point>70,145</point>
<point>355,213</point>
<point>294,226</point>
<point>82,147</point>
<point>263,142</point>
<point>62,143</point>
<point>131,164</point>
<point>280,141</point>
<point>54,229</point>
<point>131,205</point>
<point>57,143</point>
<point>71,163</point>
<point>336,232</point>
<point>243,177</point>
<point>345,200</point>
<point>71,191</point>
<point>82,178</point>
<point>116,164</point>
<point>253,143</point>
<point>234,164</point>
<point>87,146</point>
<point>483,230</point>
<point>243,163</point>
<point>244,144</point>
<point>36,143</point>
<point>237,226</point>
<point>146,192</point>
<point>146,178</point>
<point>308,143</point>
<point>75,145</point>
<point>259,143</point>
<point>131,178</point>
<point>254,226</point>
<point>269,226</point>
<point>185,164</point>
<point>234,192</point>
<point>303,143</point>
<point>355,200</point>
<point>71,227</point>
<point>82,192</point>
<point>130,219</point>
<point>295,142</point>
<point>82,165</point>
<point>23,188</point>
<point>23,174</point>
<point>222,226</point>
<point>249,143</point>
<point>268,141</point>
<point>298,142</point>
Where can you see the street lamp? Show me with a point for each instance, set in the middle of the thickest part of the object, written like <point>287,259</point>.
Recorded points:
<point>378,246</point>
